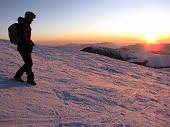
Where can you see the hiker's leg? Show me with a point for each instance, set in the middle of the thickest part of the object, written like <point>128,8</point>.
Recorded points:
<point>28,64</point>
<point>21,71</point>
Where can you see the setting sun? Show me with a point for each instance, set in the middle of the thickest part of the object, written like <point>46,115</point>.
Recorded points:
<point>151,39</point>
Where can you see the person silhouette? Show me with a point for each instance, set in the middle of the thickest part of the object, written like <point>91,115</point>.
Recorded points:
<point>25,47</point>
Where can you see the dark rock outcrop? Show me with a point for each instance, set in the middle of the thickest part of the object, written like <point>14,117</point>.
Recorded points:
<point>112,53</point>
<point>119,54</point>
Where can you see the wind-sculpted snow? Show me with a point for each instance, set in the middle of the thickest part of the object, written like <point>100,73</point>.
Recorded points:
<point>79,89</point>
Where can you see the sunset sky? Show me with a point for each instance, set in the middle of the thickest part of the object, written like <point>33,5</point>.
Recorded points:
<point>60,21</point>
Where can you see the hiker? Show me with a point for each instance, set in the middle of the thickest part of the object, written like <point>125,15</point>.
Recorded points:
<point>25,46</point>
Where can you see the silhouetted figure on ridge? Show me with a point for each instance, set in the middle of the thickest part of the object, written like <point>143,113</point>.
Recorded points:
<point>25,46</point>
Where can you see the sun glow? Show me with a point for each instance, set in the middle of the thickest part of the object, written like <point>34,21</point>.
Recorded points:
<point>143,26</point>
<point>151,39</point>
<point>153,47</point>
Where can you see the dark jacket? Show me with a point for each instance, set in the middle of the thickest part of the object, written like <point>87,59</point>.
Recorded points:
<point>24,34</point>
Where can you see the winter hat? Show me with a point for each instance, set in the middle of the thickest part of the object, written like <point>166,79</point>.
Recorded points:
<point>30,14</point>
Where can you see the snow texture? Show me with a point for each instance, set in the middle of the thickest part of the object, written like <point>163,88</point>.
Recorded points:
<point>79,89</point>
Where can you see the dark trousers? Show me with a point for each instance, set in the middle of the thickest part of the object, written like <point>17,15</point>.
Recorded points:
<point>27,67</point>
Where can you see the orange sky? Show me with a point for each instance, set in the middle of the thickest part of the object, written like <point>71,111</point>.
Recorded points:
<point>123,21</point>
<point>91,37</point>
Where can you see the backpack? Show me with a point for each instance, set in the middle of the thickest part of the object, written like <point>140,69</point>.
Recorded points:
<point>12,33</point>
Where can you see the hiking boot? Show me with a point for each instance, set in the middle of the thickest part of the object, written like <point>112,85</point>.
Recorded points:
<point>31,82</point>
<point>18,79</point>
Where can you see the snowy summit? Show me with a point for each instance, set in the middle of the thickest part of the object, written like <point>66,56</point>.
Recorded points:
<point>79,89</point>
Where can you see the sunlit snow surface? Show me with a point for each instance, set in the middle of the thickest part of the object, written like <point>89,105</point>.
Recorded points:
<point>78,89</point>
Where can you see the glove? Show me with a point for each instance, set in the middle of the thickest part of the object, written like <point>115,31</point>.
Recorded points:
<point>32,43</point>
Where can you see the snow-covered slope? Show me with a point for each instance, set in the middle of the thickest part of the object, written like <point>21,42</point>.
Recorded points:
<point>79,89</point>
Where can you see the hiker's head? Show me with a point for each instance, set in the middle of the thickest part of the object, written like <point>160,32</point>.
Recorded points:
<point>30,16</point>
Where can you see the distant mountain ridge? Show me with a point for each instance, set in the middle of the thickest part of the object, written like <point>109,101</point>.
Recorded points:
<point>4,40</point>
<point>81,46</point>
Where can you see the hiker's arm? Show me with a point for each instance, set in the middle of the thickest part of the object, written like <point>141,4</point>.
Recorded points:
<point>32,43</point>
<point>23,35</point>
